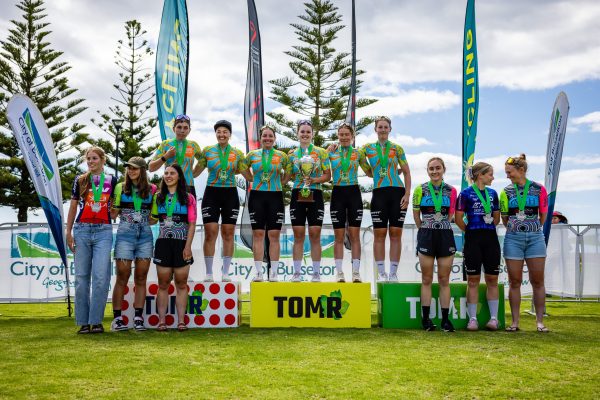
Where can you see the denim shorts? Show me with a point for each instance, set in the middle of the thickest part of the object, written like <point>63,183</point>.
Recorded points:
<point>133,241</point>
<point>523,245</point>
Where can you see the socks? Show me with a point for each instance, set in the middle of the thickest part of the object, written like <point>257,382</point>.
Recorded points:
<point>226,264</point>
<point>258,267</point>
<point>355,265</point>
<point>472,310</point>
<point>316,267</point>
<point>297,265</point>
<point>139,312</point>
<point>209,262</point>
<point>338,266</point>
<point>393,267</point>
<point>274,266</point>
<point>116,313</point>
<point>493,304</point>
<point>445,312</point>
<point>380,266</point>
<point>425,312</point>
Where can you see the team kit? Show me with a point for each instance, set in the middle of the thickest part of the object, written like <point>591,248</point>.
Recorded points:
<point>98,199</point>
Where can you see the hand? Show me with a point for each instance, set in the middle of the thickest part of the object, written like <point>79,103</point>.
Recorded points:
<point>187,253</point>
<point>404,202</point>
<point>170,153</point>
<point>308,180</point>
<point>332,147</point>
<point>70,242</point>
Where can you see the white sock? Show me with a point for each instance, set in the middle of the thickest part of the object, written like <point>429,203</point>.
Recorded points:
<point>355,265</point>
<point>338,265</point>
<point>472,310</point>
<point>393,267</point>
<point>258,267</point>
<point>274,265</point>
<point>380,266</point>
<point>226,264</point>
<point>316,267</point>
<point>297,265</point>
<point>208,261</point>
<point>493,305</point>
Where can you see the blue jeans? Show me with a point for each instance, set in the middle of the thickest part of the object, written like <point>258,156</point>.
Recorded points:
<point>133,241</point>
<point>93,243</point>
<point>523,245</point>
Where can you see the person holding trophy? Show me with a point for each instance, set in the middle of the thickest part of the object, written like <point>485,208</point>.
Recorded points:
<point>309,167</point>
<point>265,168</point>
<point>346,207</point>
<point>390,196</point>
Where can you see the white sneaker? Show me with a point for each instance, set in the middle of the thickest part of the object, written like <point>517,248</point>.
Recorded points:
<point>208,278</point>
<point>356,277</point>
<point>118,325</point>
<point>296,277</point>
<point>382,277</point>
<point>393,277</point>
<point>340,277</point>
<point>273,275</point>
<point>225,278</point>
<point>258,278</point>
<point>316,277</point>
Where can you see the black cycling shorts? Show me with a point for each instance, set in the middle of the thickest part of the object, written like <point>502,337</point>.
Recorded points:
<point>481,247</point>
<point>385,207</point>
<point>266,210</point>
<point>436,242</point>
<point>169,253</point>
<point>303,211</point>
<point>220,202</point>
<point>346,205</point>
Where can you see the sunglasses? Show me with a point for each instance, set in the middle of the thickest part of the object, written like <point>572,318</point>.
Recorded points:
<point>182,117</point>
<point>510,161</point>
<point>304,122</point>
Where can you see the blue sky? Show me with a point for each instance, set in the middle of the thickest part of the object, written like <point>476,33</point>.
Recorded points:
<point>529,51</point>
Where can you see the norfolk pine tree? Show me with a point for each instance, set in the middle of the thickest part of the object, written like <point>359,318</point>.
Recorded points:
<point>28,65</point>
<point>135,94</point>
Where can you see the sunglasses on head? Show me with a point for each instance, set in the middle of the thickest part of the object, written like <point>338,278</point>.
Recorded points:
<point>182,117</point>
<point>510,161</point>
<point>304,122</point>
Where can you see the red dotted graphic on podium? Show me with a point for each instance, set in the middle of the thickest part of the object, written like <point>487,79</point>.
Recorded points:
<point>229,288</point>
<point>214,304</point>
<point>199,287</point>
<point>169,319</point>
<point>126,290</point>
<point>124,304</point>
<point>230,319</point>
<point>215,288</point>
<point>214,319</point>
<point>186,320</point>
<point>153,289</point>
<point>171,289</point>
<point>125,319</point>
<point>153,320</point>
<point>199,320</point>
<point>229,304</point>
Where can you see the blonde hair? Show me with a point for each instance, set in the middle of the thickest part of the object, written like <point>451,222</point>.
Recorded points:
<point>383,118</point>
<point>84,180</point>
<point>479,168</point>
<point>517,162</point>
<point>347,126</point>
<point>437,159</point>
<point>264,128</point>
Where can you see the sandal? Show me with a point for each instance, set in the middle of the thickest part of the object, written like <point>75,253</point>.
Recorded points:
<point>84,329</point>
<point>162,327</point>
<point>512,329</point>
<point>543,329</point>
<point>181,327</point>
<point>98,328</point>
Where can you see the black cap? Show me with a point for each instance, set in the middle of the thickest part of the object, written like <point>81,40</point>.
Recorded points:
<point>223,123</point>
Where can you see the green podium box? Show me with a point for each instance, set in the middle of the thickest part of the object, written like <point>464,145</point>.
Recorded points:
<point>399,305</point>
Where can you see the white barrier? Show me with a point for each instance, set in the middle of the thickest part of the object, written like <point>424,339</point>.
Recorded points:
<point>31,270</point>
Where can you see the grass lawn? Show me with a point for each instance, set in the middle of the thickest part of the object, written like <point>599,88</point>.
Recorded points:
<point>42,357</point>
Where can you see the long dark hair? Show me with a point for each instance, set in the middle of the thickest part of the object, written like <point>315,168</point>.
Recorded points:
<point>181,188</point>
<point>143,186</point>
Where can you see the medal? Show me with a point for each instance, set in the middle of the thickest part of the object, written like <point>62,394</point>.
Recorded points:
<point>169,222</point>
<point>137,205</point>
<point>266,165</point>
<point>345,160</point>
<point>344,176</point>
<point>488,219</point>
<point>522,199</point>
<point>383,157</point>
<point>486,204</point>
<point>383,171</point>
<point>137,216</point>
<point>97,191</point>
<point>521,215</point>
<point>223,159</point>
<point>264,177</point>
<point>180,148</point>
<point>170,209</point>
<point>436,197</point>
<point>223,175</point>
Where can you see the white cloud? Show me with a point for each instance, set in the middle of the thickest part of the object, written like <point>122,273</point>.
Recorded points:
<point>403,103</point>
<point>578,180</point>
<point>402,140</point>
<point>591,120</point>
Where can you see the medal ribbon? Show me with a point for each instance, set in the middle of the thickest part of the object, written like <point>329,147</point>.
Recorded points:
<point>266,162</point>
<point>180,150</point>
<point>97,189</point>
<point>224,157</point>
<point>301,153</point>
<point>171,205</point>
<point>383,160</point>
<point>486,203</point>
<point>522,199</point>
<point>137,200</point>
<point>346,158</point>
<point>436,197</point>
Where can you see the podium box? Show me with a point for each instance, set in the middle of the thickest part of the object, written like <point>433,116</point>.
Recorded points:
<point>308,304</point>
<point>399,305</point>
<point>210,305</point>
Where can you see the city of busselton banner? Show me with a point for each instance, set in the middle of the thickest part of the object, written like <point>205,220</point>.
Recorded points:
<point>171,69</point>
<point>37,148</point>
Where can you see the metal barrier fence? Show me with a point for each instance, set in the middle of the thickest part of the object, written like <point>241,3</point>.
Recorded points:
<point>31,270</point>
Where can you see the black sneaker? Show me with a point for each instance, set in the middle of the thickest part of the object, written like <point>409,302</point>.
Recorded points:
<point>84,329</point>
<point>447,326</point>
<point>118,325</point>
<point>138,324</point>
<point>428,325</point>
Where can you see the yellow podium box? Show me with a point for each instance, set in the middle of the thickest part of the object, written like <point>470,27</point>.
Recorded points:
<point>310,305</point>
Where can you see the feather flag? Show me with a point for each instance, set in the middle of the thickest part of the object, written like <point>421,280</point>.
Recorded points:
<point>470,92</point>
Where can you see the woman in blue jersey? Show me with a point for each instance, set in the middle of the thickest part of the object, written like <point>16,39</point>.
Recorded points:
<point>175,209</point>
<point>390,196</point>
<point>265,168</point>
<point>307,207</point>
<point>481,247</point>
<point>220,200</point>
<point>346,208</point>
<point>433,208</point>
<point>134,241</point>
